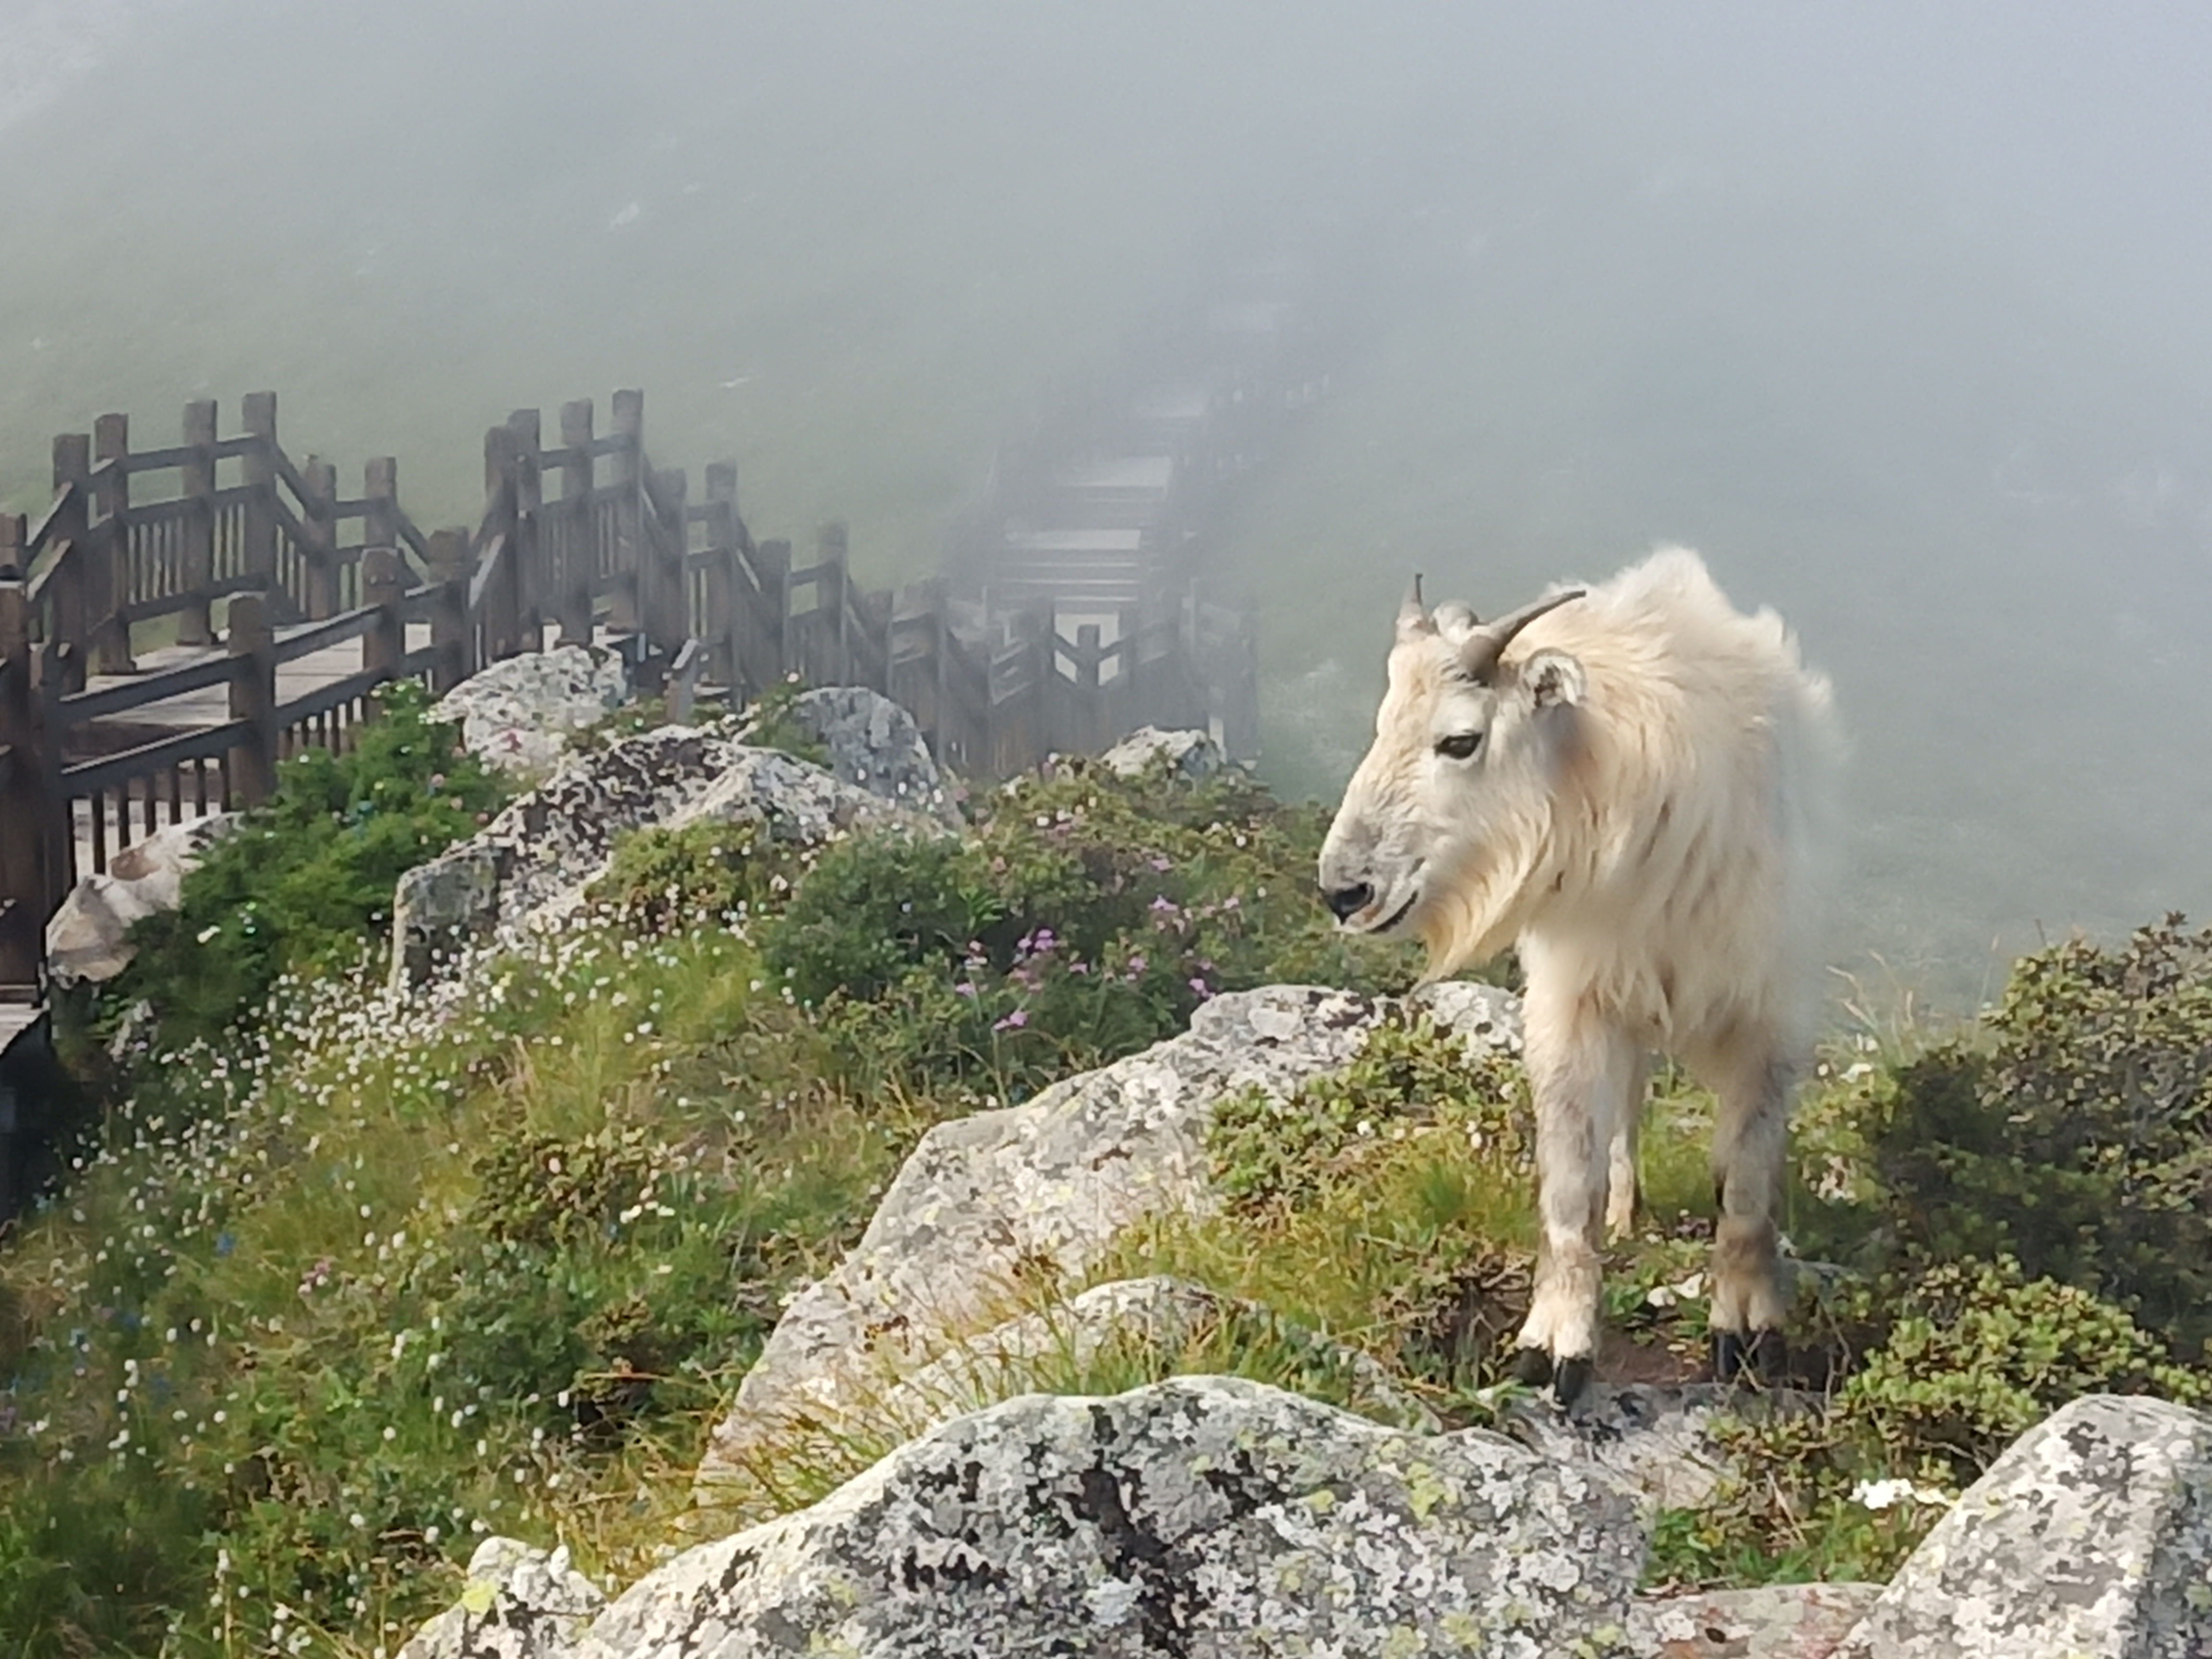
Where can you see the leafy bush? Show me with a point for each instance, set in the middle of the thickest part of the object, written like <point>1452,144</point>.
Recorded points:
<point>1088,916</point>
<point>2074,1133</point>
<point>1963,1360</point>
<point>303,884</point>
<point>1266,1150</point>
<point>661,880</point>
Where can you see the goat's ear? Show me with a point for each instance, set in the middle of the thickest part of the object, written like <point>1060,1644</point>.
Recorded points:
<point>1552,679</point>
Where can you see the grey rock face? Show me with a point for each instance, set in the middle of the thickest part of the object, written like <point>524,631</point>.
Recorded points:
<point>1657,1442</point>
<point>874,744</point>
<point>519,1603</point>
<point>1776,1622</point>
<point>85,940</point>
<point>2091,1537</point>
<point>531,864</point>
<point>517,713</point>
<point>1202,1516</point>
<point>1193,754</point>
<point>988,1204</point>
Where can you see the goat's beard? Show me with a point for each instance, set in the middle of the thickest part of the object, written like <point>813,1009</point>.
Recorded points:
<point>1478,910</point>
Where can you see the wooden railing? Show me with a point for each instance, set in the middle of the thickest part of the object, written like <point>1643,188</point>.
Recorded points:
<point>259,561</point>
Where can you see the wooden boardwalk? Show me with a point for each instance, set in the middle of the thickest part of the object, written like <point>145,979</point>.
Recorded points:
<point>294,603</point>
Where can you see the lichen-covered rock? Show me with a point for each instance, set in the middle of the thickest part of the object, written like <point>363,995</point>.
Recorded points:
<point>874,744</point>
<point>1201,1516</point>
<point>519,1603</point>
<point>1774,1622</point>
<point>518,714</point>
<point>2091,1537</point>
<point>1169,1315</point>
<point>1192,754</point>
<point>85,936</point>
<point>989,1204</point>
<point>1657,1442</point>
<point>531,864</point>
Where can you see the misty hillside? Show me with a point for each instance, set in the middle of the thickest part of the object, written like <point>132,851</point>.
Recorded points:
<point>1895,319</point>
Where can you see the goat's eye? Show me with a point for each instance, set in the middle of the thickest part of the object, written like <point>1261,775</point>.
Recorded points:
<point>1460,745</point>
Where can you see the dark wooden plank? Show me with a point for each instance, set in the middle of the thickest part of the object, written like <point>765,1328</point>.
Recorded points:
<point>142,690</point>
<point>320,636</point>
<point>112,771</point>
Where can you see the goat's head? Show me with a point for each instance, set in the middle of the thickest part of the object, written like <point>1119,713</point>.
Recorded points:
<point>1460,769</point>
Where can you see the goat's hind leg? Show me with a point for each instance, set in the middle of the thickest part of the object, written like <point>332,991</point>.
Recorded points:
<point>1581,1071</point>
<point>1750,1148</point>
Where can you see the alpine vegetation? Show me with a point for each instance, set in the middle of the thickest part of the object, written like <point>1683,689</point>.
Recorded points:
<point>1635,798</point>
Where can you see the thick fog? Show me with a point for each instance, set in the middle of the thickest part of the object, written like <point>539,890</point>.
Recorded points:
<point>1897,316</point>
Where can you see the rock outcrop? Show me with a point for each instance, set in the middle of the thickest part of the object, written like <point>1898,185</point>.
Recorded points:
<point>86,937</point>
<point>1775,1621</point>
<point>1657,1442</point>
<point>530,866</point>
<point>872,744</point>
<point>519,1603</point>
<point>989,1204</point>
<point>1192,754</point>
<point>2091,1537</point>
<point>518,714</point>
<point>1198,1516</point>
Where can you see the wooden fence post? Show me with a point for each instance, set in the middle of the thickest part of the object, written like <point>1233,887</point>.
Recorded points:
<point>833,660</point>
<point>258,466</point>
<point>111,571</point>
<point>532,589</point>
<point>772,564</point>
<point>384,585</point>
<point>502,598</point>
<point>670,618</point>
<point>319,592</point>
<point>630,578</point>
<point>253,699</point>
<point>380,492</point>
<point>453,635</point>
<point>196,566</point>
<point>576,566</point>
<point>73,617</point>
<point>26,887</point>
<point>718,625</point>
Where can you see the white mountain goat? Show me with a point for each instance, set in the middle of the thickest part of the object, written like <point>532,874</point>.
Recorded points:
<point>1630,782</point>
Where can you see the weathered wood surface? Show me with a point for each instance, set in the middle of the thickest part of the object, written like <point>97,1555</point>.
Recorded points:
<point>182,618</point>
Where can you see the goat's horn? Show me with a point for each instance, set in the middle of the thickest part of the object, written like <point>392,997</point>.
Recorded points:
<point>1412,616</point>
<point>1477,657</point>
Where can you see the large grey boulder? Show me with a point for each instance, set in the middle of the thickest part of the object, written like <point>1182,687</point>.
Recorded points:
<point>86,936</point>
<point>1192,754</point>
<point>2091,1537</point>
<point>1201,1516</point>
<point>1659,1443</point>
<point>530,866</point>
<point>872,744</point>
<point>518,714</point>
<point>991,1205</point>
<point>519,1602</point>
<point>1774,1622</point>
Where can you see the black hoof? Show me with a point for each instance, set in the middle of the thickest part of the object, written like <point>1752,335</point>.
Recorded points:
<point>1759,1358</point>
<point>1568,1383</point>
<point>1532,1368</point>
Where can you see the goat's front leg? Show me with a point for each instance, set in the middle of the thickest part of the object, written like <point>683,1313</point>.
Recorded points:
<point>1750,1152</point>
<point>1580,1070</point>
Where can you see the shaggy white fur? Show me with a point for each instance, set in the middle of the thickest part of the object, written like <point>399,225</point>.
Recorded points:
<point>1635,785</point>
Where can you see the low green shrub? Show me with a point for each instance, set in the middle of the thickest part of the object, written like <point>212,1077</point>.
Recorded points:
<point>662,880</point>
<point>1960,1361</point>
<point>2073,1132</point>
<point>1087,916</point>
<point>303,885</point>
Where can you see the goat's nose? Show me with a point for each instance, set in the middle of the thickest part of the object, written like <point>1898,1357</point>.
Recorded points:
<point>1348,901</point>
